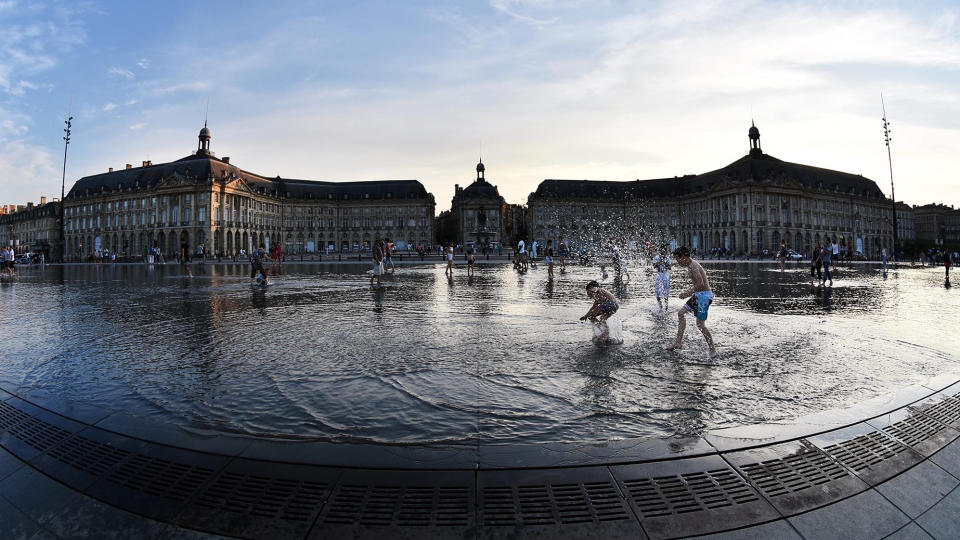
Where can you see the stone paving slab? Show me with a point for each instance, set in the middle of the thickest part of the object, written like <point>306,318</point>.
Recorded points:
<point>942,521</point>
<point>915,429</point>
<point>911,531</point>
<point>948,458</point>
<point>919,488</point>
<point>865,516</point>
<point>779,530</point>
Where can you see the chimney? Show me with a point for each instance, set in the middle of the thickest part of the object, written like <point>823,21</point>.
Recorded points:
<point>43,200</point>
<point>143,163</point>
<point>110,169</point>
<point>129,166</point>
<point>149,163</point>
<point>226,159</point>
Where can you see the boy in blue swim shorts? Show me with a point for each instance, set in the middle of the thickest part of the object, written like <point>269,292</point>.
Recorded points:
<point>604,306</point>
<point>700,297</point>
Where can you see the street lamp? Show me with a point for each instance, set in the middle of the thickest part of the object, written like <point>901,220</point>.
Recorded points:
<point>893,200</point>
<point>63,183</point>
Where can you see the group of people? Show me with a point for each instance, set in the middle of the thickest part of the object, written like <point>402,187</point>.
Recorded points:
<point>522,261</point>
<point>699,298</point>
<point>821,258</point>
<point>383,259</point>
<point>7,256</point>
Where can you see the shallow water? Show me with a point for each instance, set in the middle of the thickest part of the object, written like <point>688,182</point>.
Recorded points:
<point>499,358</point>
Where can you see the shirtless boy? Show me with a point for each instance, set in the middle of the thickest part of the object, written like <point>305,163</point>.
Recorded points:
<point>700,299</point>
<point>604,306</point>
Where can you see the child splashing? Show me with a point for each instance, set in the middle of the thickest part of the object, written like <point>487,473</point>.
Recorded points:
<point>604,306</point>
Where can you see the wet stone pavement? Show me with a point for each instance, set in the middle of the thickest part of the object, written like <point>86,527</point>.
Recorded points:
<point>146,403</point>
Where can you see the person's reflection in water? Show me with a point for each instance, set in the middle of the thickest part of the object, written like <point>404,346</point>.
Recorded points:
<point>259,300</point>
<point>469,279</point>
<point>690,402</point>
<point>378,295</point>
<point>946,283</point>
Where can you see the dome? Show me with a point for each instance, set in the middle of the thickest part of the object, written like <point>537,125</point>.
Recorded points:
<point>205,133</point>
<point>754,132</point>
<point>480,167</point>
<point>480,190</point>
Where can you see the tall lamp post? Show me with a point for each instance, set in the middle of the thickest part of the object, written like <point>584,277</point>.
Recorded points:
<point>63,183</point>
<point>893,200</point>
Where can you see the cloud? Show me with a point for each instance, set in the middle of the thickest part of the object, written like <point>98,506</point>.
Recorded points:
<point>138,126</point>
<point>508,7</point>
<point>120,73</point>
<point>109,107</point>
<point>143,63</point>
<point>131,102</point>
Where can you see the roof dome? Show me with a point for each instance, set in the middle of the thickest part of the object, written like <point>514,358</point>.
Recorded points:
<point>480,167</point>
<point>480,190</point>
<point>754,132</point>
<point>205,132</point>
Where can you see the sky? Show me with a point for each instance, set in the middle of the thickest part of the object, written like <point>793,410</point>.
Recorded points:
<point>362,90</point>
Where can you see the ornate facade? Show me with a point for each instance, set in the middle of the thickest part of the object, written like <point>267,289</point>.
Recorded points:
<point>746,207</point>
<point>33,228</point>
<point>204,199</point>
<point>476,216</point>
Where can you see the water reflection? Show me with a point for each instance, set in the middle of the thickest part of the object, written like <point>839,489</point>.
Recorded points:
<point>498,356</point>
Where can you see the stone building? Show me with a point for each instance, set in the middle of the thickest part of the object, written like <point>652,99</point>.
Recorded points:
<point>906,223</point>
<point>937,224</point>
<point>33,228</point>
<point>476,216</point>
<point>205,199</point>
<point>745,207</point>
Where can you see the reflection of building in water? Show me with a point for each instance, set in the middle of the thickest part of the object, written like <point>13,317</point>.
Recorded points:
<point>203,198</point>
<point>748,206</point>
<point>32,228</point>
<point>476,215</point>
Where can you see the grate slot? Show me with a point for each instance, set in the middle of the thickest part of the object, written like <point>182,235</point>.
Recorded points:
<point>946,412</point>
<point>778,477</point>
<point>915,429</point>
<point>38,434</point>
<point>390,506</point>
<point>690,492</point>
<point>88,456</point>
<point>10,416</point>
<point>269,498</point>
<point>156,476</point>
<point>865,451</point>
<point>588,502</point>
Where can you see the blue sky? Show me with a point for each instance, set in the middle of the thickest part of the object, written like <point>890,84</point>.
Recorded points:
<point>353,90</point>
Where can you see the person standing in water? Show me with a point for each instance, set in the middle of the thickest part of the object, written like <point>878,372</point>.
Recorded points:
<point>816,263</point>
<point>782,254</point>
<point>661,280</point>
<point>700,299</point>
<point>377,262</point>
<point>256,265</point>
<point>604,306</point>
<point>827,256</point>
<point>562,252</point>
<point>471,259</point>
<point>449,256</point>
<point>548,258</point>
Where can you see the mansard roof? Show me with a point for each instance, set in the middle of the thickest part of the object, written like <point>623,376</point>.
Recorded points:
<point>479,189</point>
<point>755,167</point>
<point>203,168</point>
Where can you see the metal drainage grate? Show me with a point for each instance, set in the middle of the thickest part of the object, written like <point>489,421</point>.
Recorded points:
<point>88,456</point>
<point>38,434</point>
<point>271,498</point>
<point>947,411</point>
<point>175,481</point>
<point>399,506</point>
<point>778,477</point>
<point>691,492</point>
<point>865,451</point>
<point>915,429</point>
<point>551,504</point>
<point>10,416</point>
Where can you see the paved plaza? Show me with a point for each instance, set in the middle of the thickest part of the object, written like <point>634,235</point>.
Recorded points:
<point>889,467</point>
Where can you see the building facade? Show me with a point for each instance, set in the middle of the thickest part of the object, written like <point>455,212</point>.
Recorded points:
<point>476,216</point>
<point>749,206</point>
<point>937,224</point>
<point>906,223</point>
<point>204,199</point>
<point>33,229</point>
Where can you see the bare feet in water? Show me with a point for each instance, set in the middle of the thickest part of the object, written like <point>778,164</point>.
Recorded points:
<point>674,347</point>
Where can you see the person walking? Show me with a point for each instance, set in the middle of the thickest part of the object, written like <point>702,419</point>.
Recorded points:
<point>661,281</point>
<point>388,255</point>
<point>449,257</point>
<point>256,265</point>
<point>471,260</point>
<point>562,252</point>
<point>548,258</point>
<point>782,254</point>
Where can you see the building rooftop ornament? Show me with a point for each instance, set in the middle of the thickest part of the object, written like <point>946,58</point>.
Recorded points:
<point>203,146</point>
<point>480,170</point>
<point>754,135</point>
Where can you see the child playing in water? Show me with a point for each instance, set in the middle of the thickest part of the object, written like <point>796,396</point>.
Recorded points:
<point>471,259</point>
<point>661,280</point>
<point>603,272</point>
<point>256,263</point>
<point>604,306</point>
<point>700,299</point>
<point>548,257</point>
